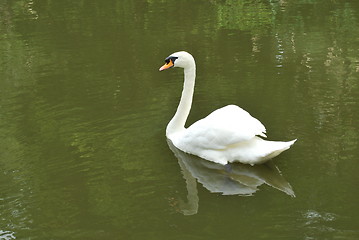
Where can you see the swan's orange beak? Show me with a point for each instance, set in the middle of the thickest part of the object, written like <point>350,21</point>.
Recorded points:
<point>167,65</point>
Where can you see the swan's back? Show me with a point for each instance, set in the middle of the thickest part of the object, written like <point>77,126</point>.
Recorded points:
<point>231,123</point>
<point>223,127</point>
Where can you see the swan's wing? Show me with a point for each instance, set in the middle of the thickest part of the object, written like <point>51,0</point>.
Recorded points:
<point>223,127</point>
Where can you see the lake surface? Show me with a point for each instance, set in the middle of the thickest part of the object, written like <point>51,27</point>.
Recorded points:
<point>83,112</point>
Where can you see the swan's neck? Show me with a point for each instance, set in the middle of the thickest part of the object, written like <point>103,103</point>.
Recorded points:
<point>179,119</point>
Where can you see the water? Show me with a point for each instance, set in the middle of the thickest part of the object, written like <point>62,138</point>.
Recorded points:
<point>83,111</point>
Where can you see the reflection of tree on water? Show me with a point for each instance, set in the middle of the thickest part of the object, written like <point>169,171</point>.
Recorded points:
<point>230,179</point>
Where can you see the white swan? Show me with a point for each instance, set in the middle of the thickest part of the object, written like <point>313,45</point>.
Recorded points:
<point>229,134</point>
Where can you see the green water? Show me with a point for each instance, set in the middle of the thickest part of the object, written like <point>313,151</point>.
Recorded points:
<point>83,112</point>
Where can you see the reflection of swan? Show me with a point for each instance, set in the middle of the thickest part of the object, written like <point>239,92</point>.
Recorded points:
<point>228,134</point>
<point>231,179</point>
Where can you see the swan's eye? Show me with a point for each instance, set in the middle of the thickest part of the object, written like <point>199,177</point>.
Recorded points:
<point>170,59</point>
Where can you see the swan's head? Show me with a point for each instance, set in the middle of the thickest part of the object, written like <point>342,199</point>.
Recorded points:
<point>178,59</point>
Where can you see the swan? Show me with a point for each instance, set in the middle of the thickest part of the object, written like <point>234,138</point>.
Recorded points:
<point>229,134</point>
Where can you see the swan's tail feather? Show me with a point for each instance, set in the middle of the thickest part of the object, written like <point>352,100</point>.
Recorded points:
<point>282,146</point>
<point>289,144</point>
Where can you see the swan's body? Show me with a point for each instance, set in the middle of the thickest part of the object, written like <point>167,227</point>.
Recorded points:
<point>229,134</point>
